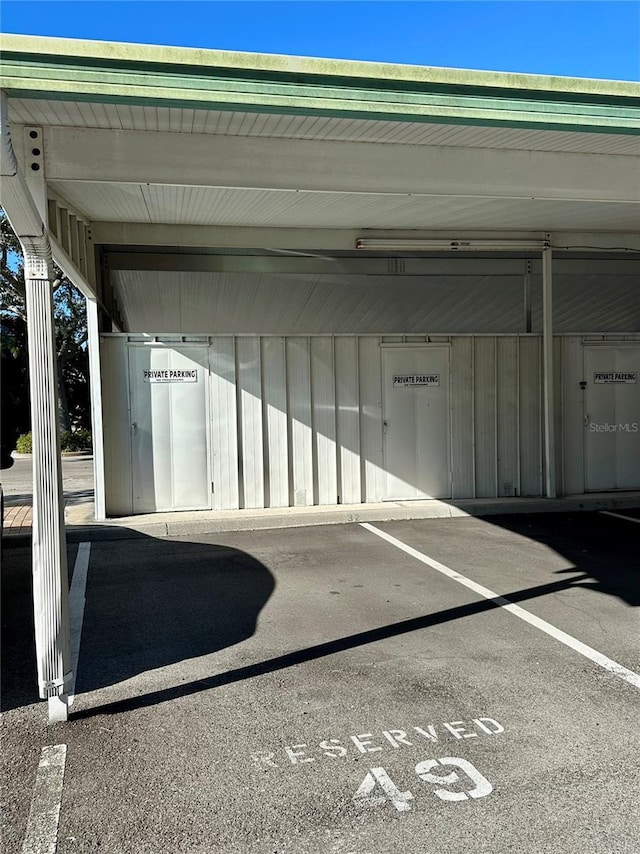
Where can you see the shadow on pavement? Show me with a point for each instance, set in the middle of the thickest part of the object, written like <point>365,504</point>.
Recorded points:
<point>18,665</point>
<point>150,603</point>
<point>154,602</point>
<point>604,548</point>
<point>312,653</point>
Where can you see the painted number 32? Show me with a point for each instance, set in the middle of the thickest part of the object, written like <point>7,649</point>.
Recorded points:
<point>377,787</point>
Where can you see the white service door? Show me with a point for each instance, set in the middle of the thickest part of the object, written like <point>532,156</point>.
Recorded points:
<point>170,463</point>
<point>416,422</point>
<point>612,418</point>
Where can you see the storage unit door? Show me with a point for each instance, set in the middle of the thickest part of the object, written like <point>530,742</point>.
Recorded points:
<point>170,464</point>
<point>416,416</point>
<point>612,418</point>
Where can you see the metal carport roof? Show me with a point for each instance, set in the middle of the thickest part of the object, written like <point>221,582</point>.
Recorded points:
<point>128,147</point>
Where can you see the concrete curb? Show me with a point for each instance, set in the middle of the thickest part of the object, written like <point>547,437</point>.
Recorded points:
<point>175,525</point>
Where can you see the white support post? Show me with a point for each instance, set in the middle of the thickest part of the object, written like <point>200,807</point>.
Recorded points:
<point>25,203</point>
<point>95,390</point>
<point>527,298</point>
<point>548,384</point>
<point>50,578</point>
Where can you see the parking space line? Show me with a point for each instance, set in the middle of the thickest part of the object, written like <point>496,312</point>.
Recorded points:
<point>620,516</point>
<point>77,601</point>
<point>499,601</point>
<point>42,827</point>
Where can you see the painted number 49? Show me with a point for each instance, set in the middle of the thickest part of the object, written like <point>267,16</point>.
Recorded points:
<point>475,785</point>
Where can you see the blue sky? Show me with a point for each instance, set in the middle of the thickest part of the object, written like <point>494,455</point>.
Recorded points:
<point>582,38</point>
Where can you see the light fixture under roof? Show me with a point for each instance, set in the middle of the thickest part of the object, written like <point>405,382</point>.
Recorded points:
<point>391,244</point>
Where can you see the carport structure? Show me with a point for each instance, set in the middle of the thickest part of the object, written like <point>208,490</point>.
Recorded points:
<point>280,253</point>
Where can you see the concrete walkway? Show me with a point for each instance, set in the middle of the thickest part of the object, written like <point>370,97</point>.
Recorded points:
<point>175,524</point>
<point>17,519</point>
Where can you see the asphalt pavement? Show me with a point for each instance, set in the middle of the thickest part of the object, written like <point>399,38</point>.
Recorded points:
<point>77,475</point>
<point>326,689</point>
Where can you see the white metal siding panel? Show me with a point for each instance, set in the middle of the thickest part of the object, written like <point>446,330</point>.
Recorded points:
<point>316,303</point>
<point>462,433</point>
<point>530,416</point>
<point>595,303</point>
<point>485,425</point>
<point>300,433</point>
<point>117,426</point>
<point>323,395</point>
<point>557,413</point>
<point>274,390</point>
<point>573,415</point>
<point>348,420</point>
<point>291,208</point>
<point>507,403</point>
<point>150,438</point>
<point>370,369</point>
<point>189,448</point>
<point>133,202</point>
<point>224,436</point>
<point>250,394</point>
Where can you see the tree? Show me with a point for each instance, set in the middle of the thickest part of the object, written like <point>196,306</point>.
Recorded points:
<point>70,318</point>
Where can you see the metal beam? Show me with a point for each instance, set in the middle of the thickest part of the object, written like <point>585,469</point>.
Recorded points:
<point>264,163</point>
<point>548,376</point>
<point>362,266</point>
<point>322,239</point>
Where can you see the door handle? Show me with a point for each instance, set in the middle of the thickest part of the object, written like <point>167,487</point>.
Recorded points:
<point>134,426</point>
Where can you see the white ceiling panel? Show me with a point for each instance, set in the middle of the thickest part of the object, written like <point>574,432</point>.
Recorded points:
<point>293,209</point>
<point>108,202</point>
<point>212,303</point>
<point>229,123</point>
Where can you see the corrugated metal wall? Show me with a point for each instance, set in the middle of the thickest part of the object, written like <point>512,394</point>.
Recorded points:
<point>298,420</point>
<point>294,304</point>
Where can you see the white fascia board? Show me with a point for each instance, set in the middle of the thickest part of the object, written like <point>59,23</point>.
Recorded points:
<point>83,154</point>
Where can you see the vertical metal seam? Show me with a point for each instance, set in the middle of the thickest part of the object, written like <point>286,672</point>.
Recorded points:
<point>266,473</point>
<point>291,462</point>
<point>239,425</point>
<point>170,419</point>
<point>315,463</point>
<point>473,414</point>
<point>562,385</point>
<point>518,414</point>
<point>496,405</point>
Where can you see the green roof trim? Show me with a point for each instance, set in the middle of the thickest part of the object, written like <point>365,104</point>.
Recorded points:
<point>66,69</point>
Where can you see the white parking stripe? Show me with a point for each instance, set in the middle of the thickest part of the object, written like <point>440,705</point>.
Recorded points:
<point>42,828</point>
<point>76,607</point>
<point>558,634</point>
<point>620,516</point>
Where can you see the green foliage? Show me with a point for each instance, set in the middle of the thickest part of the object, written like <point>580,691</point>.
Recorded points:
<point>79,440</point>
<point>23,445</point>
<point>71,346</point>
